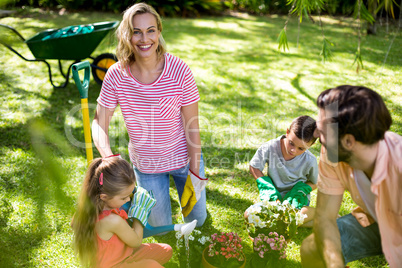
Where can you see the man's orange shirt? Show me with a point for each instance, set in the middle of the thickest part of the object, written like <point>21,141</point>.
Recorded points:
<point>386,184</point>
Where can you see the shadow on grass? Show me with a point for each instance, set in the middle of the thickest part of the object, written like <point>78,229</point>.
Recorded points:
<point>16,246</point>
<point>296,84</point>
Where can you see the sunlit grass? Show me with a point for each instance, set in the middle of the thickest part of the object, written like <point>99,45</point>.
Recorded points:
<point>249,92</point>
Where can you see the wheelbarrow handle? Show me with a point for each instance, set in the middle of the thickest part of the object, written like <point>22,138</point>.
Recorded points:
<point>82,86</point>
<point>12,29</point>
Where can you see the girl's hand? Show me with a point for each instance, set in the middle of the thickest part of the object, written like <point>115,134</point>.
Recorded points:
<point>141,205</point>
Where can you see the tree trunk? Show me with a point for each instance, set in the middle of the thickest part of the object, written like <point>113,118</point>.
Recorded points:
<point>372,28</point>
<point>400,15</point>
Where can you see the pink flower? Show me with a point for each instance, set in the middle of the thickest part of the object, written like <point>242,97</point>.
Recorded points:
<point>226,245</point>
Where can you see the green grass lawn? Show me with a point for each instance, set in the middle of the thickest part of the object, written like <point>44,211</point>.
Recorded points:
<point>250,92</point>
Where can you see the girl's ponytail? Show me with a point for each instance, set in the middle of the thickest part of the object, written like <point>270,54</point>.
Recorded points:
<point>88,209</point>
<point>104,176</point>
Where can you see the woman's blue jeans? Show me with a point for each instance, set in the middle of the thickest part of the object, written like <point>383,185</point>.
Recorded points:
<point>158,183</point>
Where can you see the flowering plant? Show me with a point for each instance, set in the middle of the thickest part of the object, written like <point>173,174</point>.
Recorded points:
<point>266,217</point>
<point>225,250</point>
<point>268,249</point>
<point>190,248</point>
<point>271,243</point>
<point>195,236</point>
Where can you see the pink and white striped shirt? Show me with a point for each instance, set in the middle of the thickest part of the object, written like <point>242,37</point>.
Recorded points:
<point>152,113</point>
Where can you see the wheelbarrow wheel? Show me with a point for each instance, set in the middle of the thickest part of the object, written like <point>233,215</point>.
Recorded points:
<point>100,64</point>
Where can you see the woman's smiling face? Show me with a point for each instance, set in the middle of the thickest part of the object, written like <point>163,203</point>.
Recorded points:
<point>145,39</point>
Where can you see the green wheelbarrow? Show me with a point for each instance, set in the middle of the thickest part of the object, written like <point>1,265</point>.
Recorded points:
<point>75,43</point>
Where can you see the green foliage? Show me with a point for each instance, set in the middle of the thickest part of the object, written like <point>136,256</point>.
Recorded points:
<point>358,61</point>
<point>283,40</point>
<point>170,8</point>
<point>259,6</point>
<point>72,4</point>
<point>364,13</point>
<point>305,7</point>
<point>337,7</point>
<point>4,3</point>
<point>36,3</point>
<point>185,8</point>
<point>191,247</point>
<point>326,52</point>
<point>46,143</point>
<point>273,216</point>
<point>389,6</point>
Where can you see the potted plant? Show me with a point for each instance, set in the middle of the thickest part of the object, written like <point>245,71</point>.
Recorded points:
<point>224,250</point>
<point>269,250</point>
<point>190,248</point>
<point>266,217</point>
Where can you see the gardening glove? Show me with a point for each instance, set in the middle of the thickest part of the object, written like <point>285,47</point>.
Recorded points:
<point>267,189</point>
<point>141,205</point>
<point>192,192</point>
<point>298,195</point>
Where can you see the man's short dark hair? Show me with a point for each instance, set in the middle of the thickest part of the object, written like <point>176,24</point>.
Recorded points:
<point>303,127</point>
<point>360,112</point>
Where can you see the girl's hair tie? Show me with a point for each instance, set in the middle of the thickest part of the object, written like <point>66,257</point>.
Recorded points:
<point>101,179</point>
<point>117,155</point>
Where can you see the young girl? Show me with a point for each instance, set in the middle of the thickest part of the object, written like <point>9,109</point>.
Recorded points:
<point>102,237</point>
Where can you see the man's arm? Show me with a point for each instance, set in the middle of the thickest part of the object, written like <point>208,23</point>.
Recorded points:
<point>326,232</point>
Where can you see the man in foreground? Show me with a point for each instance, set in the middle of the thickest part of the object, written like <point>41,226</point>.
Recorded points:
<point>361,156</point>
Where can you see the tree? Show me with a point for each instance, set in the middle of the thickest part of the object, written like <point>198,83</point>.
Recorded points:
<point>306,7</point>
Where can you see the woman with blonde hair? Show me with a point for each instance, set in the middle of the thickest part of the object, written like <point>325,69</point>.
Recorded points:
<point>158,98</point>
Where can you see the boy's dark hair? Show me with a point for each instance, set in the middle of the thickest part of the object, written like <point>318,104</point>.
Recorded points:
<point>303,127</point>
<point>357,110</point>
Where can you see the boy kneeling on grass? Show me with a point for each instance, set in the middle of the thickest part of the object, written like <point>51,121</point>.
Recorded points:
<point>292,169</point>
